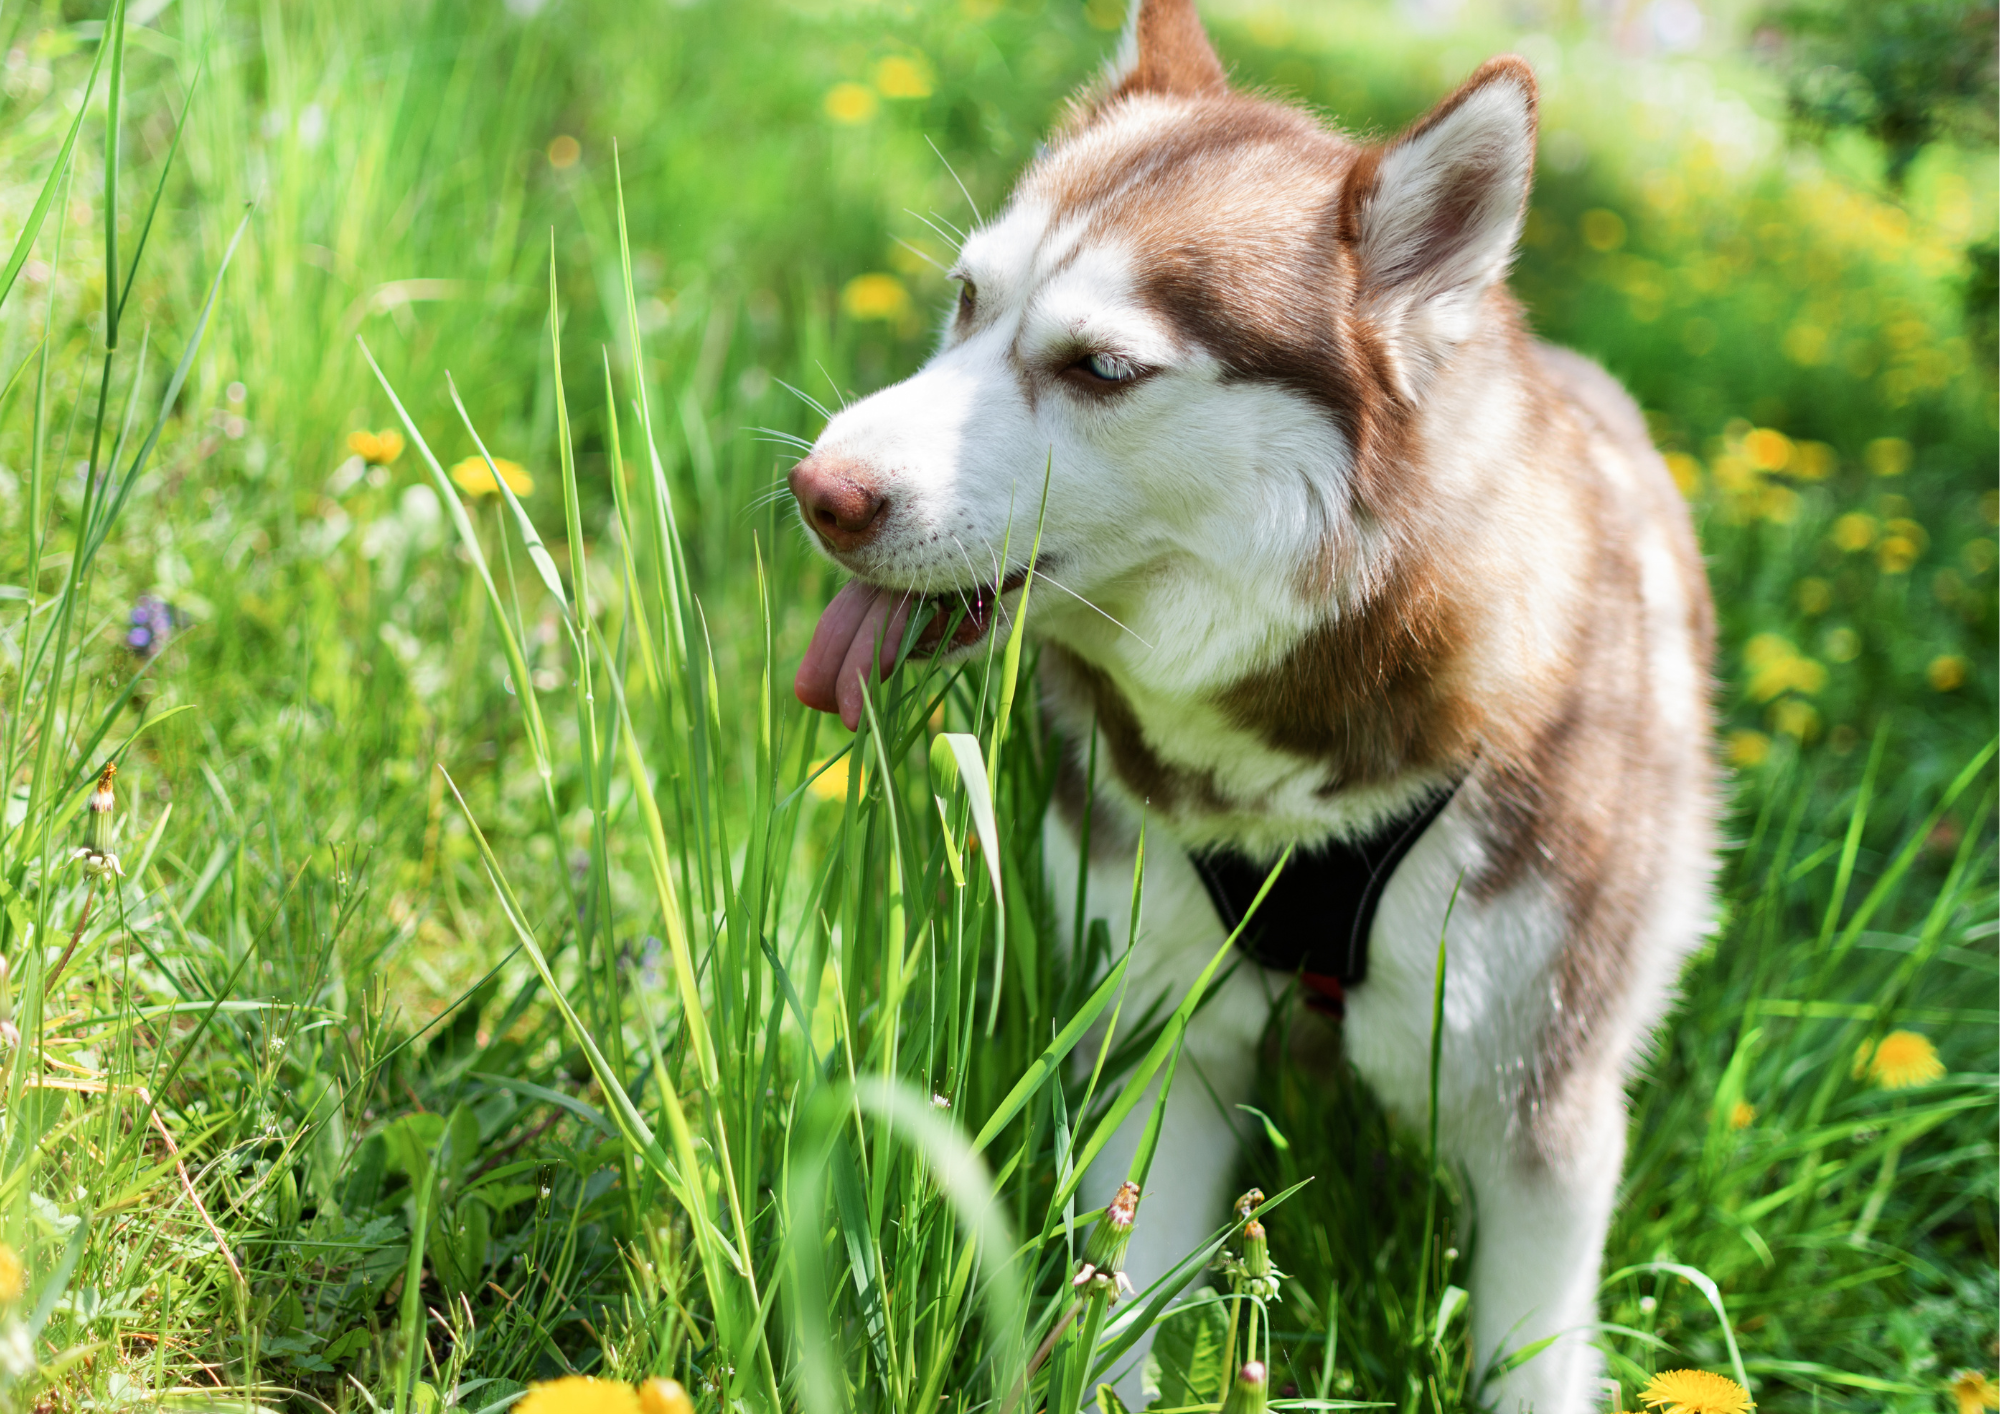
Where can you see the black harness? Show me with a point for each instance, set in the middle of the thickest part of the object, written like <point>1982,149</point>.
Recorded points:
<point>1316,920</point>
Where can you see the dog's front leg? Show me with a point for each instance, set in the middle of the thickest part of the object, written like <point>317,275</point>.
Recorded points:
<point>1187,1192</point>
<point>1538,1245</point>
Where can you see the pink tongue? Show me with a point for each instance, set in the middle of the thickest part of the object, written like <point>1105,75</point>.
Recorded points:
<point>843,649</point>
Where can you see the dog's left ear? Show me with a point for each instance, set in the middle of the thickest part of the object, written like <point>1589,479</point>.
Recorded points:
<point>1165,50</point>
<point>1432,218</point>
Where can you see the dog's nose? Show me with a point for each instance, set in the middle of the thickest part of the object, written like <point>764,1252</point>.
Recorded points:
<point>838,499</point>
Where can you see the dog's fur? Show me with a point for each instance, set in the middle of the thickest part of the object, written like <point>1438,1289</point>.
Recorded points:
<point>1337,532</point>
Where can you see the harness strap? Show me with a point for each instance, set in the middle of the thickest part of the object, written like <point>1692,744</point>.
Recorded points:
<point>1316,920</point>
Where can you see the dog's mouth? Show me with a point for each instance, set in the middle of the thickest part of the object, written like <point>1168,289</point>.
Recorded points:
<point>954,619</point>
<point>863,629</point>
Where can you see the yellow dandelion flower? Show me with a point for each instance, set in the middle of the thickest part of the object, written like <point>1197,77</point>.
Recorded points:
<point>1974,1392</point>
<point>1887,456</point>
<point>1767,450</point>
<point>1854,531</point>
<point>1734,475</point>
<point>1695,1392</point>
<point>1795,718</point>
<point>564,151</point>
<point>475,478</point>
<point>1900,1060</point>
<point>900,77</point>
<point>1778,504</point>
<point>1812,461</point>
<point>580,1394</point>
<point>376,448</point>
<point>1896,554</point>
<point>1742,1115</point>
<point>875,297</point>
<point>850,103</point>
<point>1686,472</point>
<point>13,1276</point>
<point>831,784</point>
<point>1747,748</point>
<point>1777,666</point>
<point>1947,673</point>
<point>663,1396</point>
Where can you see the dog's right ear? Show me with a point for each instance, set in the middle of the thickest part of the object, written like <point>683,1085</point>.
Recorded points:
<point>1432,217</point>
<point>1164,50</point>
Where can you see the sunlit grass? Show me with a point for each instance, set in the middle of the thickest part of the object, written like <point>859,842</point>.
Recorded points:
<point>473,887</point>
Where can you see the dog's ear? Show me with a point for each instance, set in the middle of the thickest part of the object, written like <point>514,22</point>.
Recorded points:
<point>1164,50</point>
<point>1433,216</point>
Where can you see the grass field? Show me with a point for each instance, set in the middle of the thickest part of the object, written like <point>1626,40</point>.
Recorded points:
<point>496,985</point>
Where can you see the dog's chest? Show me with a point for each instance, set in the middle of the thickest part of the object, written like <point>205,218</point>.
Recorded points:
<point>1178,759</point>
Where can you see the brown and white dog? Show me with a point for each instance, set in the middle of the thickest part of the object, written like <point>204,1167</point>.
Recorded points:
<point>1333,532</point>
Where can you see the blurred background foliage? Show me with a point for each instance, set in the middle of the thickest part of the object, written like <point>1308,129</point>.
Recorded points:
<point>1775,224</point>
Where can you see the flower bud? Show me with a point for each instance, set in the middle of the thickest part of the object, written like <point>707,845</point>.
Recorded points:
<point>1256,1250</point>
<point>1260,1278</point>
<point>1102,1272</point>
<point>1113,1233</point>
<point>102,801</point>
<point>1249,1393</point>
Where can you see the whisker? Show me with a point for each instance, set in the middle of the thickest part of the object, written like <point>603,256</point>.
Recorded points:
<point>807,398</point>
<point>940,232</point>
<point>981,220</point>
<point>1044,575</point>
<point>773,494</point>
<point>964,556</point>
<point>921,254</point>
<point>842,397</point>
<point>772,434</point>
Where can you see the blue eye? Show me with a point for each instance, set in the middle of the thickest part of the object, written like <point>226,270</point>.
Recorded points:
<point>1109,367</point>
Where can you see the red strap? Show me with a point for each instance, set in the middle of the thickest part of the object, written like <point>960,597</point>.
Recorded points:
<point>1325,995</point>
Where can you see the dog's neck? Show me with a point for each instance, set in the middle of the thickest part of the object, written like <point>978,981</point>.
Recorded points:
<point>1255,723</point>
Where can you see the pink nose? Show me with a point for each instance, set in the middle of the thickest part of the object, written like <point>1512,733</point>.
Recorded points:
<point>838,499</point>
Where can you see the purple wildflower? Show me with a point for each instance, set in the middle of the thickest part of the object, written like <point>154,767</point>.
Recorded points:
<point>152,624</point>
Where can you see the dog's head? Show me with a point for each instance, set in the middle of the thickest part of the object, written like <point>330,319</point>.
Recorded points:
<point>1208,327</point>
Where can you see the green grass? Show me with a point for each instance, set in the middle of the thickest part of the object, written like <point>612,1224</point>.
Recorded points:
<point>489,996</point>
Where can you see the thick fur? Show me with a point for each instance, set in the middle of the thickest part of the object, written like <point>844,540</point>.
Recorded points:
<point>1337,532</point>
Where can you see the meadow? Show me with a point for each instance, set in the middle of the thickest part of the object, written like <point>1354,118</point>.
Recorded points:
<point>502,977</point>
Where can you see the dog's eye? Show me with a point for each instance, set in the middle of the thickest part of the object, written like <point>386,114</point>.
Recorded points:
<point>1109,368</point>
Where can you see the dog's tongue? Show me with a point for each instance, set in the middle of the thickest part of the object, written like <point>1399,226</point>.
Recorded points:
<point>861,616</point>
<point>844,647</point>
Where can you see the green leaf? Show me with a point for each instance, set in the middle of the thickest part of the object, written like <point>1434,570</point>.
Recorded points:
<point>1271,1130</point>
<point>1187,1363</point>
<point>25,242</point>
<point>964,751</point>
<point>1046,1064</point>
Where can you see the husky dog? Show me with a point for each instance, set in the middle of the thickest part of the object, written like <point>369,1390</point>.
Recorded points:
<point>1342,546</point>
